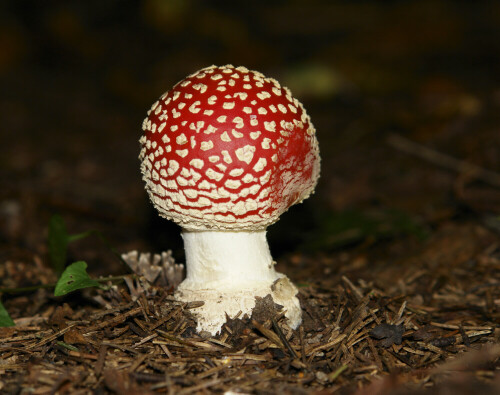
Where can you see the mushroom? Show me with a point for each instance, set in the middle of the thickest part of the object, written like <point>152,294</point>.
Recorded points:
<point>224,154</point>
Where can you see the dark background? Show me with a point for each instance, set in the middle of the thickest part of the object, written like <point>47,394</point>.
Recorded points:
<point>76,79</point>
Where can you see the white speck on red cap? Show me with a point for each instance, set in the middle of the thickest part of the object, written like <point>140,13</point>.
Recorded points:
<point>253,151</point>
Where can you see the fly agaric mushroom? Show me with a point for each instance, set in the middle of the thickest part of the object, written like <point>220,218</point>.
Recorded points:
<point>224,154</point>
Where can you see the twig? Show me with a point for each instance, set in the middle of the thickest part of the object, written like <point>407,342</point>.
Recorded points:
<point>103,349</point>
<point>302,345</point>
<point>269,334</point>
<point>49,338</point>
<point>175,339</point>
<point>283,338</point>
<point>113,321</point>
<point>448,162</point>
<point>357,293</point>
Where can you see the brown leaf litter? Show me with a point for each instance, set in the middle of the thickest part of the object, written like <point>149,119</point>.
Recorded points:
<point>358,336</point>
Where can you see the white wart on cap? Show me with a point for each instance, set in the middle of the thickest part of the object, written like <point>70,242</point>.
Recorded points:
<point>224,154</point>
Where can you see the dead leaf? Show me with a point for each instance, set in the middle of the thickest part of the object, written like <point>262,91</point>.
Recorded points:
<point>390,334</point>
<point>60,315</point>
<point>120,382</point>
<point>265,309</point>
<point>73,336</point>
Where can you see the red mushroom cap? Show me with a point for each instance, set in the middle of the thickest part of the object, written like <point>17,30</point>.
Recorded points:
<point>228,149</point>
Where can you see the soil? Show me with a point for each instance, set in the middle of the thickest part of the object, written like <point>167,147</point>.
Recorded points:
<point>396,256</point>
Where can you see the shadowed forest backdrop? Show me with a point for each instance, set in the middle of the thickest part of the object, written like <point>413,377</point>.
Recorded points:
<point>78,77</point>
<point>405,97</point>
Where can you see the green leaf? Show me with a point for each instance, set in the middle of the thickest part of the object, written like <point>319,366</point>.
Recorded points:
<point>58,243</point>
<point>80,235</point>
<point>73,278</point>
<point>5,319</point>
<point>59,240</point>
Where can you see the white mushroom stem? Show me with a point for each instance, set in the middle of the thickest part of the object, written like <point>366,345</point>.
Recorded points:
<point>226,270</point>
<point>227,260</point>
